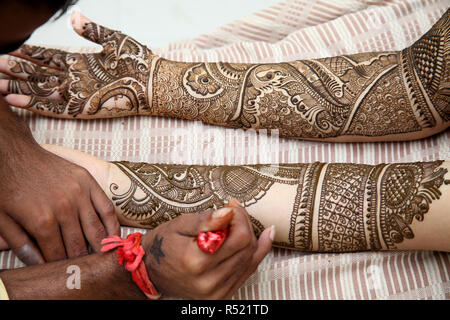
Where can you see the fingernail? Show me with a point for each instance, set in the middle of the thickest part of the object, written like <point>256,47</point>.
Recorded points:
<point>221,212</point>
<point>29,255</point>
<point>272,232</point>
<point>235,202</point>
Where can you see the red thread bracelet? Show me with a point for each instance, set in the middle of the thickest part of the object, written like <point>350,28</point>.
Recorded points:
<point>131,252</point>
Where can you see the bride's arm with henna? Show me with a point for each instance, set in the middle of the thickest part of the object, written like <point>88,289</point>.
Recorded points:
<point>377,96</point>
<point>315,207</point>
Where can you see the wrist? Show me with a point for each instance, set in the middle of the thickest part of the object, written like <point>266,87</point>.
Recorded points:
<point>131,255</point>
<point>118,279</point>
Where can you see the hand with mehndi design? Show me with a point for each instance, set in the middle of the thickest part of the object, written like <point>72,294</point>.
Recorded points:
<point>363,97</point>
<point>177,267</point>
<point>111,83</point>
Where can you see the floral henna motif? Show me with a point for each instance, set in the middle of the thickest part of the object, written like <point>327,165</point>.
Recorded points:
<point>368,94</point>
<point>40,81</point>
<point>337,207</point>
<point>407,191</point>
<point>393,195</point>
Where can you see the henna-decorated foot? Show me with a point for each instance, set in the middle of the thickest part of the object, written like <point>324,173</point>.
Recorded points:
<point>111,83</point>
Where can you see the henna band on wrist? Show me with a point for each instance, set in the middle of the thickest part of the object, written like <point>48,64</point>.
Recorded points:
<point>131,252</point>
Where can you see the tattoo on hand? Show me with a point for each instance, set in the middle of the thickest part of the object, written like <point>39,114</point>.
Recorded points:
<point>337,207</point>
<point>156,249</point>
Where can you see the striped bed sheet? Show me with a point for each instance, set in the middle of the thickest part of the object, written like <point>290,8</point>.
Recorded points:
<point>290,30</point>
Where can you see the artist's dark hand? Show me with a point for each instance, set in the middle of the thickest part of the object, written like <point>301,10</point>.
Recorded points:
<point>110,83</point>
<point>46,202</point>
<point>177,267</point>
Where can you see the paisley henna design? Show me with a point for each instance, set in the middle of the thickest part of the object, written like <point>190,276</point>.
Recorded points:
<point>337,207</point>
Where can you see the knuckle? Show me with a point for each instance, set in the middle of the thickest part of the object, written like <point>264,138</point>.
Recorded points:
<point>204,286</point>
<point>244,237</point>
<point>64,205</point>
<point>44,222</point>
<point>194,266</point>
<point>75,188</point>
<point>80,172</point>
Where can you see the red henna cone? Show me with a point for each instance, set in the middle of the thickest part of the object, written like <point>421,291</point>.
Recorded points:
<point>211,241</point>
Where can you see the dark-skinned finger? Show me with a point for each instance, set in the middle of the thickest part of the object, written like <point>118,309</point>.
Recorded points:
<point>240,235</point>
<point>264,246</point>
<point>105,209</point>
<point>93,228</point>
<point>73,237</point>
<point>227,274</point>
<point>17,239</point>
<point>236,270</point>
<point>3,244</point>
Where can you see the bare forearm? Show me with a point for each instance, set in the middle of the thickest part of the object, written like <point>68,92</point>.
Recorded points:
<point>315,207</point>
<point>100,277</point>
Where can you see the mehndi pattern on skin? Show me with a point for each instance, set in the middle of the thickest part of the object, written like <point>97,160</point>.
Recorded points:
<point>368,94</point>
<point>365,95</point>
<point>338,207</point>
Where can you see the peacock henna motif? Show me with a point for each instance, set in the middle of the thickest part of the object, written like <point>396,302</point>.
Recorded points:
<point>336,208</point>
<point>367,94</point>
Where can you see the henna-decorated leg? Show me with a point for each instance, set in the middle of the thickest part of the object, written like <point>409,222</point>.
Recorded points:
<point>315,207</point>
